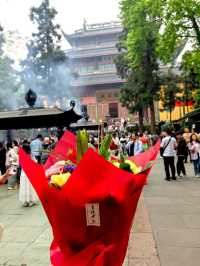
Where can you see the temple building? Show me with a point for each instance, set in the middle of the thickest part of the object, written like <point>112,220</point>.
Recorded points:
<point>92,59</point>
<point>95,81</point>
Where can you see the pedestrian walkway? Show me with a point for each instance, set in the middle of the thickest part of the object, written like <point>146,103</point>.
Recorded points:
<point>166,230</point>
<point>26,236</point>
<point>174,210</point>
<point>142,250</point>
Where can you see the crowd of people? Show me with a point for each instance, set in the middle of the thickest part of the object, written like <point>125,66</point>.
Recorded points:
<point>11,172</point>
<point>182,145</point>
<point>129,144</point>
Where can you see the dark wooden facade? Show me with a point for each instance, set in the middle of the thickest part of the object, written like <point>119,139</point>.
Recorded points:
<point>38,118</point>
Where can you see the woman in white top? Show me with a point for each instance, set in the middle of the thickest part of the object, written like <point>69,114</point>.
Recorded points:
<point>194,148</point>
<point>27,194</point>
<point>12,162</point>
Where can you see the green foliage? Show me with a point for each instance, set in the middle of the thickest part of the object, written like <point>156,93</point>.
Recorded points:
<point>9,85</point>
<point>10,96</point>
<point>197,98</point>
<point>191,66</point>
<point>82,144</point>
<point>40,69</point>
<point>141,19</point>
<point>138,63</point>
<point>134,95</point>
<point>180,22</point>
<point>105,146</point>
<point>2,40</point>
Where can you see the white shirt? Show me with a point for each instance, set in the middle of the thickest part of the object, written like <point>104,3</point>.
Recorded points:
<point>36,147</point>
<point>170,149</point>
<point>138,147</point>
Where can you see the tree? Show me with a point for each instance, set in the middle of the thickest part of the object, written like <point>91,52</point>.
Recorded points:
<point>181,25</point>
<point>9,85</point>
<point>132,98</point>
<point>41,69</point>
<point>141,20</point>
<point>1,40</point>
<point>169,93</point>
<point>181,21</point>
<point>191,67</point>
<point>9,81</point>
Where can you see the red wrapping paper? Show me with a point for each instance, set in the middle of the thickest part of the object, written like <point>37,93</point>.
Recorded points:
<point>144,158</point>
<point>94,181</point>
<point>65,150</point>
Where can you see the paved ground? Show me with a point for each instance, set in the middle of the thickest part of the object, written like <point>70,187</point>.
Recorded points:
<point>174,210</point>
<point>170,209</point>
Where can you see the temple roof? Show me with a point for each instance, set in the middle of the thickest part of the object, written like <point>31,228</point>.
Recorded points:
<point>37,118</point>
<point>94,30</point>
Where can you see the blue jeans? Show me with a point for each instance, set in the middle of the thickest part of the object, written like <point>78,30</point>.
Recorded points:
<point>196,164</point>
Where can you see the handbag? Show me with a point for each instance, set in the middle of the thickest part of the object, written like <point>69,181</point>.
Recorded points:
<point>162,149</point>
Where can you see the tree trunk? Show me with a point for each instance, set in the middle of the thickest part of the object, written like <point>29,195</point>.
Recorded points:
<point>141,123</point>
<point>153,118</point>
<point>196,28</point>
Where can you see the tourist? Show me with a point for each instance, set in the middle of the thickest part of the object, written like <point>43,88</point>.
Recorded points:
<point>46,148</point>
<point>114,146</point>
<point>194,148</point>
<point>15,146</point>
<point>138,146</point>
<point>12,162</point>
<point>36,148</point>
<point>145,141</point>
<point>2,158</point>
<point>130,145</point>
<point>195,132</point>
<point>182,152</point>
<point>169,146</point>
<point>27,195</point>
<point>186,136</point>
<point>123,143</point>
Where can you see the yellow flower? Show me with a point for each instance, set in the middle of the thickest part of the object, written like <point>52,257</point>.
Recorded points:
<point>134,168</point>
<point>117,164</point>
<point>59,180</point>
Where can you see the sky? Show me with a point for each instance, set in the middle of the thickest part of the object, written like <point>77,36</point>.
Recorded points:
<point>14,14</point>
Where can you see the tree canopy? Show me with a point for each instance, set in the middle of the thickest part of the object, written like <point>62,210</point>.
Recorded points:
<point>138,62</point>
<point>181,21</point>
<point>9,81</point>
<point>42,67</point>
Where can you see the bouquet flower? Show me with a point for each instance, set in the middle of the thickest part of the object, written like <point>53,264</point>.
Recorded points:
<point>60,172</point>
<point>90,203</point>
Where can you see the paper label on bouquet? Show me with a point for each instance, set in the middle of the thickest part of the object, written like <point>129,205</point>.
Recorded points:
<point>92,214</point>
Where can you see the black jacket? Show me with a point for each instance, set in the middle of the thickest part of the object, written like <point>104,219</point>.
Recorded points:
<point>182,148</point>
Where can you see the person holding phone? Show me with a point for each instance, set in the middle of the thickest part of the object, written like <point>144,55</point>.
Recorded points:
<point>4,177</point>
<point>12,162</point>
